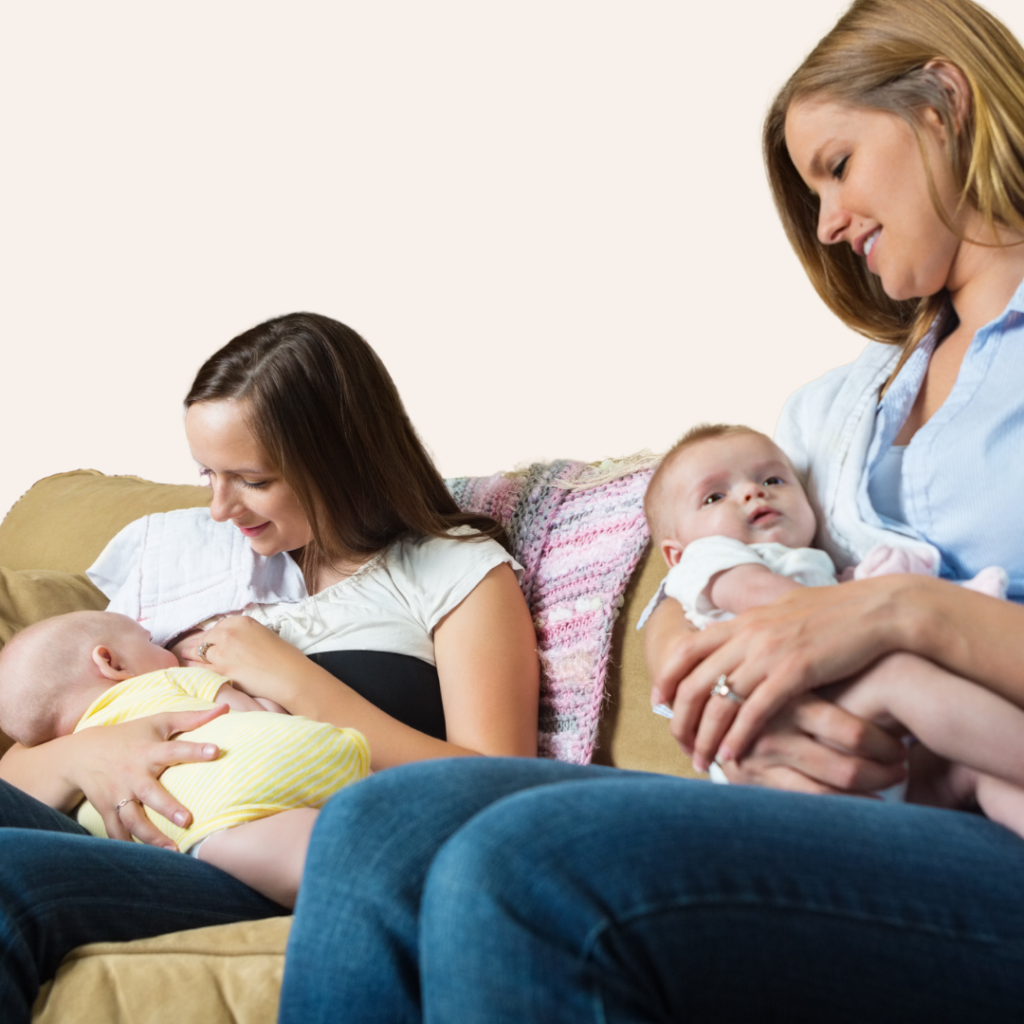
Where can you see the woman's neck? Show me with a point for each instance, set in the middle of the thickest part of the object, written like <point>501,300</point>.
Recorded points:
<point>985,276</point>
<point>340,570</point>
<point>982,282</point>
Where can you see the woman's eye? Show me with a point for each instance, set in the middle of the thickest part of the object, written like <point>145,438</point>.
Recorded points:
<point>254,485</point>
<point>840,168</point>
<point>712,498</point>
<point>774,481</point>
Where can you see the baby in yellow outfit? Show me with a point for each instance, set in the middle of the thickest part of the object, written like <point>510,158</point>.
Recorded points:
<point>254,806</point>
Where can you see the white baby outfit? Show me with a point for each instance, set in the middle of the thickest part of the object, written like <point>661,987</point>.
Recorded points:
<point>703,559</point>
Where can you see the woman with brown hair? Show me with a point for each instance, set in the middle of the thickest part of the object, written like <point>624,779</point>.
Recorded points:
<point>415,627</point>
<point>416,632</point>
<point>548,892</point>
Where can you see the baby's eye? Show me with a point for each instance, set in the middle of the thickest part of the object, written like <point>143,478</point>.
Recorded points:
<point>840,168</point>
<point>774,481</point>
<point>712,498</point>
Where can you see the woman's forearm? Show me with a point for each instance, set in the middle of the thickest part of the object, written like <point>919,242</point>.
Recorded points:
<point>307,689</point>
<point>487,665</point>
<point>42,772</point>
<point>968,633</point>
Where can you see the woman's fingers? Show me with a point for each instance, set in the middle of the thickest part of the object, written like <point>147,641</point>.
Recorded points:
<point>171,723</point>
<point>849,733</point>
<point>719,711</point>
<point>113,824</point>
<point>778,776</point>
<point>673,648</point>
<point>749,719</point>
<point>836,750</point>
<point>133,821</point>
<point>124,796</point>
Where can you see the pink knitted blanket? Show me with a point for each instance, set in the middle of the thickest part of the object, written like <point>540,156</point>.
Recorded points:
<point>579,546</point>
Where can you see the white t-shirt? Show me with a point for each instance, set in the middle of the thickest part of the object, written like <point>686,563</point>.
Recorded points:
<point>393,602</point>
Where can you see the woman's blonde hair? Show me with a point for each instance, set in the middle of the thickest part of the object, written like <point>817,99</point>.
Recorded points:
<point>877,57</point>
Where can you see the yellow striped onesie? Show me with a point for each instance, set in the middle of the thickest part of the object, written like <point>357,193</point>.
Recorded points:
<point>268,762</point>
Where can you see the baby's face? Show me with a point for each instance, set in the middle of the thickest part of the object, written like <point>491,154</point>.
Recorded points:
<point>134,647</point>
<point>740,486</point>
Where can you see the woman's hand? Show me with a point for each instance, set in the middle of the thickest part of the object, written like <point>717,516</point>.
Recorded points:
<point>810,745</point>
<point>813,746</point>
<point>243,650</point>
<point>770,655</point>
<point>115,763</point>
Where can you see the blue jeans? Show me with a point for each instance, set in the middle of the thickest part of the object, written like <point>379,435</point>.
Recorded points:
<point>497,891</point>
<point>60,888</point>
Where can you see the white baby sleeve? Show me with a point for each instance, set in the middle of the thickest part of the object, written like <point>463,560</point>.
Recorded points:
<point>810,567</point>
<point>701,561</point>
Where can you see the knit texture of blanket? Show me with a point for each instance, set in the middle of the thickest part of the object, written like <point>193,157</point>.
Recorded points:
<point>579,545</point>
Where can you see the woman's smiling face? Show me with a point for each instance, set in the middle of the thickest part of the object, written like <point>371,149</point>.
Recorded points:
<point>247,489</point>
<point>867,170</point>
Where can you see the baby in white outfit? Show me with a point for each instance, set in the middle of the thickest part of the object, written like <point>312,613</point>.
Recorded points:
<point>731,519</point>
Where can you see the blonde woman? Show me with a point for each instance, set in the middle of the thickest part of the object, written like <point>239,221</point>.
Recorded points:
<point>540,892</point>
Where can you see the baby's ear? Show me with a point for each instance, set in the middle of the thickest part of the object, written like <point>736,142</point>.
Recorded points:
<point>671,551</point>
<point>109,665</point>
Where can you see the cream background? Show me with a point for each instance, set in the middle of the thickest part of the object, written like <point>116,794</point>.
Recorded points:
<point>549,218</point>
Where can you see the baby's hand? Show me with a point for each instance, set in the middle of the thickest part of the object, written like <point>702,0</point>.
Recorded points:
<point>271,705</point>
<point>239,701</point>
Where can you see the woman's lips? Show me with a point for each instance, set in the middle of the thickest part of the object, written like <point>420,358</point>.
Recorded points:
<point>869,249</point>
<point>254,531</point>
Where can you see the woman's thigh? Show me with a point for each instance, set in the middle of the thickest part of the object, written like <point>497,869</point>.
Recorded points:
<point>645,898</point>
<point>60,889</point>
<point>353,942</point>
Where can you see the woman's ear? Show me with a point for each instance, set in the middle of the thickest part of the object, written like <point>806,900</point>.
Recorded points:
<point>109,665</point>
<point>955,85</point>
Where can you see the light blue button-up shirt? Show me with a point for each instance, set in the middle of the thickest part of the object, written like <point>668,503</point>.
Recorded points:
<point>963,472</point>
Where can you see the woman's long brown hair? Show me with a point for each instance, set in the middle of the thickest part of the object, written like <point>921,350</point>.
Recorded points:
<point>876,57</point>
<point>327,414</point>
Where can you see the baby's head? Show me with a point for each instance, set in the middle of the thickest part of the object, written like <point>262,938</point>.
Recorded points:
<point>52,671</point>
<point>726,481</point>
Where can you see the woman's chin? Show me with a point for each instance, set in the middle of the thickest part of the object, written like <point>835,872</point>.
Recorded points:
<point>906,289</point>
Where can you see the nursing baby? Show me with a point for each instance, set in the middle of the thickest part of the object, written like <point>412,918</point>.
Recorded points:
<point>253,808</point>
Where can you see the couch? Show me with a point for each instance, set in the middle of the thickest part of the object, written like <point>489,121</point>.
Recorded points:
<point>232,973</point>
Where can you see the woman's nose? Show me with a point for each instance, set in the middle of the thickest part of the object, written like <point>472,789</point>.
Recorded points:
<point>833,221</point>
<point>225,504</point>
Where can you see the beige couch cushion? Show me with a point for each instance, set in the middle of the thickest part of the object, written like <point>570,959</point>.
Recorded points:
<point>64,521</point>
<point>631,735</point>
<point>230,974</point>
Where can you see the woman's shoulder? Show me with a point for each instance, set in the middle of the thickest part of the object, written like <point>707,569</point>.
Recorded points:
<point>855,376</point>
<point>463,548</point>
<point>832,403</point>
